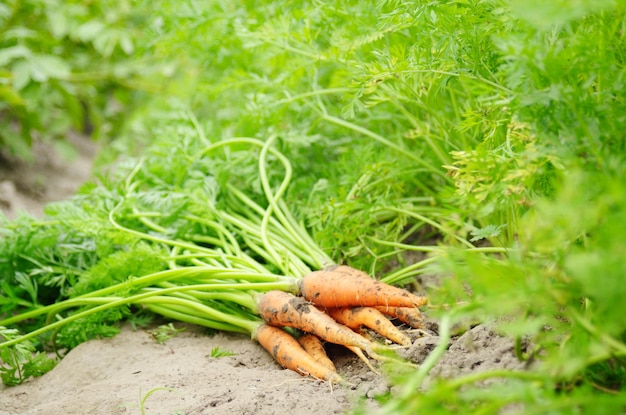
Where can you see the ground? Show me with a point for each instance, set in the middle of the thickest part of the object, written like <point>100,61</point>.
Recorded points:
<point>132,373</point>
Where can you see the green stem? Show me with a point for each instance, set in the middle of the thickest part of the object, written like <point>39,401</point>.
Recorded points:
<point>109,302</point>
<point>432,248</point>
<point>383,140</point>
<point>231,247</point>
<point>441,155</point>
<point>314,255</point>
<point>431,223</point>
<point>176,314</point>
<point>143,235</point>
<point>608,340</point>
<point>407,272</point>
<point>314,93</point>
<point>238,297</point>
<point>199,310</point>
<point>254,281</point>
<point>149,223</point>
<point>250,232</point>
<point>54,308</point>
<point>273,199</point>
<point>319,258</point>
<point>444,340</point>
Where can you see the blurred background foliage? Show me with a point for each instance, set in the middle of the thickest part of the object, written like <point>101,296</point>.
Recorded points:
<point>73,65</point>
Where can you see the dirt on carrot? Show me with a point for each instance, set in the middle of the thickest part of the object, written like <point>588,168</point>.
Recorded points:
<point>408,315</point>
<point>290,355</point>
<point>282,309</point>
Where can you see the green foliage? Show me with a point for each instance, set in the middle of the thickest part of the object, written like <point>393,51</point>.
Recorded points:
<point>165,332</point>
<point>368,116</point>
<point>219,352</point>
<point>142,235</point>
<point>556,181</point>
<point>72,66</point>
<point>21,361</point>
<point>97,326</point>
<point>489,231</point>
<point>561,290</point>
<point>501,182</point>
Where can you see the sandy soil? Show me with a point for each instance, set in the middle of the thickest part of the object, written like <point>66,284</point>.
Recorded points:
<point>114,376</point>
<point>28,186</point>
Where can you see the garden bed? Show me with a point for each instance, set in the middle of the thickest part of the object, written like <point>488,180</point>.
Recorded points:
<point>183,375</point>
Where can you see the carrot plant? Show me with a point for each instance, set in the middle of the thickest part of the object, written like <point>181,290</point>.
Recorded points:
<point>521,102</point>
<point>556,289</point>
<point>382,120</point>
<point>219,258</point>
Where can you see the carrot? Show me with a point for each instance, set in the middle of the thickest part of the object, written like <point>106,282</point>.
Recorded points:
<point>313,346</point>
<point>408,315</point>
<point>290,355</point>
<point>342,286</point>
<point>279,308</point>
<point>355,317</point>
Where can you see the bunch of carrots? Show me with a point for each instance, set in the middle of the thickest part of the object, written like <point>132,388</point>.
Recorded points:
<point>248,268</point>
<point>334,303</point>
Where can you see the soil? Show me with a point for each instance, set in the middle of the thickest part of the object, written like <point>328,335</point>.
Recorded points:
<point>132,373</point>
<point>28,186</point>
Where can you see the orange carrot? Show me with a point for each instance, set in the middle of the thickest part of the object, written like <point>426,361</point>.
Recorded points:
<point>355,317</point>
<point>342,286</point>
<point>290,355</point>
<point>313,346</point>
<point>279,308</point>
<point>408,315</point>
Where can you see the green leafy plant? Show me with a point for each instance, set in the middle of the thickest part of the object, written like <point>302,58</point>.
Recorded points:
<point>165,332</point>
<point>219,352</point>
<point>21,361</point>
<point>557,284</point>
<point>143,399</point>
<point>212,252</point>
<point>72,66</point>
